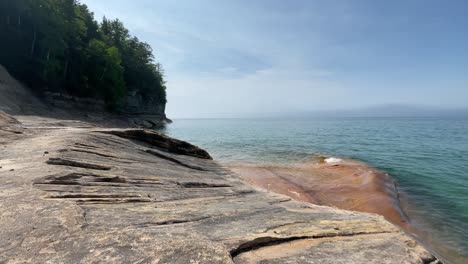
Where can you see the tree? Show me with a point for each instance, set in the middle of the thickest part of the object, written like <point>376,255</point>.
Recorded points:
<point>106,73</point>
<point>58,45</point>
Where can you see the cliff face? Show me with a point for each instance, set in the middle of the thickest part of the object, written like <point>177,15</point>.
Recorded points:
<point>135,104</point>
<point>17,99</point>
<point>135,110</point>
<point>132,104</point>
<point>74,193</point>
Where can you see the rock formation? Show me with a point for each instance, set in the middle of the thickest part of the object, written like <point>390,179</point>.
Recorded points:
<point>137,104</point>
<point>17,99</point>
<point>71,192</point>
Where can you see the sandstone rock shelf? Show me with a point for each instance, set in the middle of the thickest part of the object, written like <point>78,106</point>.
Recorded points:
<point>76,193</point>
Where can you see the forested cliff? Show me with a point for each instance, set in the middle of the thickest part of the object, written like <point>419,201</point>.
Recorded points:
<point>58,46</point>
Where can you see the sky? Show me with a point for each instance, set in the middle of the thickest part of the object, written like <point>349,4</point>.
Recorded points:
<point>237,58</point>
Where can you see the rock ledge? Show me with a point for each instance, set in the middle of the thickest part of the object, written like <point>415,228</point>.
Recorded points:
<point>75,193</point>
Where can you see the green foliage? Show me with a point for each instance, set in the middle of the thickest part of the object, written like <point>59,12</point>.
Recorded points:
<point>57,45</point>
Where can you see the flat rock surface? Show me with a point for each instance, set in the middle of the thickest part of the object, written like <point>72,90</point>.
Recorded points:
<point>74,193</point>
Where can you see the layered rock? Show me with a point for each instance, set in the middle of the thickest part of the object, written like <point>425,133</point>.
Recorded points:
<point>134,110</point>
<point>72,103</point>
<point>75,193</point>
<point>136,104</point>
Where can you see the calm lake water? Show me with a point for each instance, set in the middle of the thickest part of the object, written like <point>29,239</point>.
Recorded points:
<point>428,157</point>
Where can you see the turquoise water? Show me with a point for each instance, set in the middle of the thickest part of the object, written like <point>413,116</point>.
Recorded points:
<point>428,157</point>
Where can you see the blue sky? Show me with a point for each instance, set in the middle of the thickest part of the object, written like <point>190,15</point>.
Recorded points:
<point>243,58</point>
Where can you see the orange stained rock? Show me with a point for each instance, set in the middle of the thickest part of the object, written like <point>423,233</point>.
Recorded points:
<point>345,184</point>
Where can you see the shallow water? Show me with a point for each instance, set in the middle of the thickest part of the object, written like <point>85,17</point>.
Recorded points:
<point>427,157</point>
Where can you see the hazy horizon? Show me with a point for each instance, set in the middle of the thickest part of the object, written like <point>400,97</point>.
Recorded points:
<point>388,110</point>
<point>247,58</point>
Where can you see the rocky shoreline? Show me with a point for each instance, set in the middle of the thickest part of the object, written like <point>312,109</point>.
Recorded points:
<point>81,186</point>
<point>72,192</point>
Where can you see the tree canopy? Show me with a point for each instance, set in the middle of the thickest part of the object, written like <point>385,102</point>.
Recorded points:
<point>58,45</point>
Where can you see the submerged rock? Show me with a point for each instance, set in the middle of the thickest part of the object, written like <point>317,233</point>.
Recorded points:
<point>135,196</point>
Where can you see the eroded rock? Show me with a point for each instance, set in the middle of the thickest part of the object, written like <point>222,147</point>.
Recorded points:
<point>161,141</point>
<point>135,196</point>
